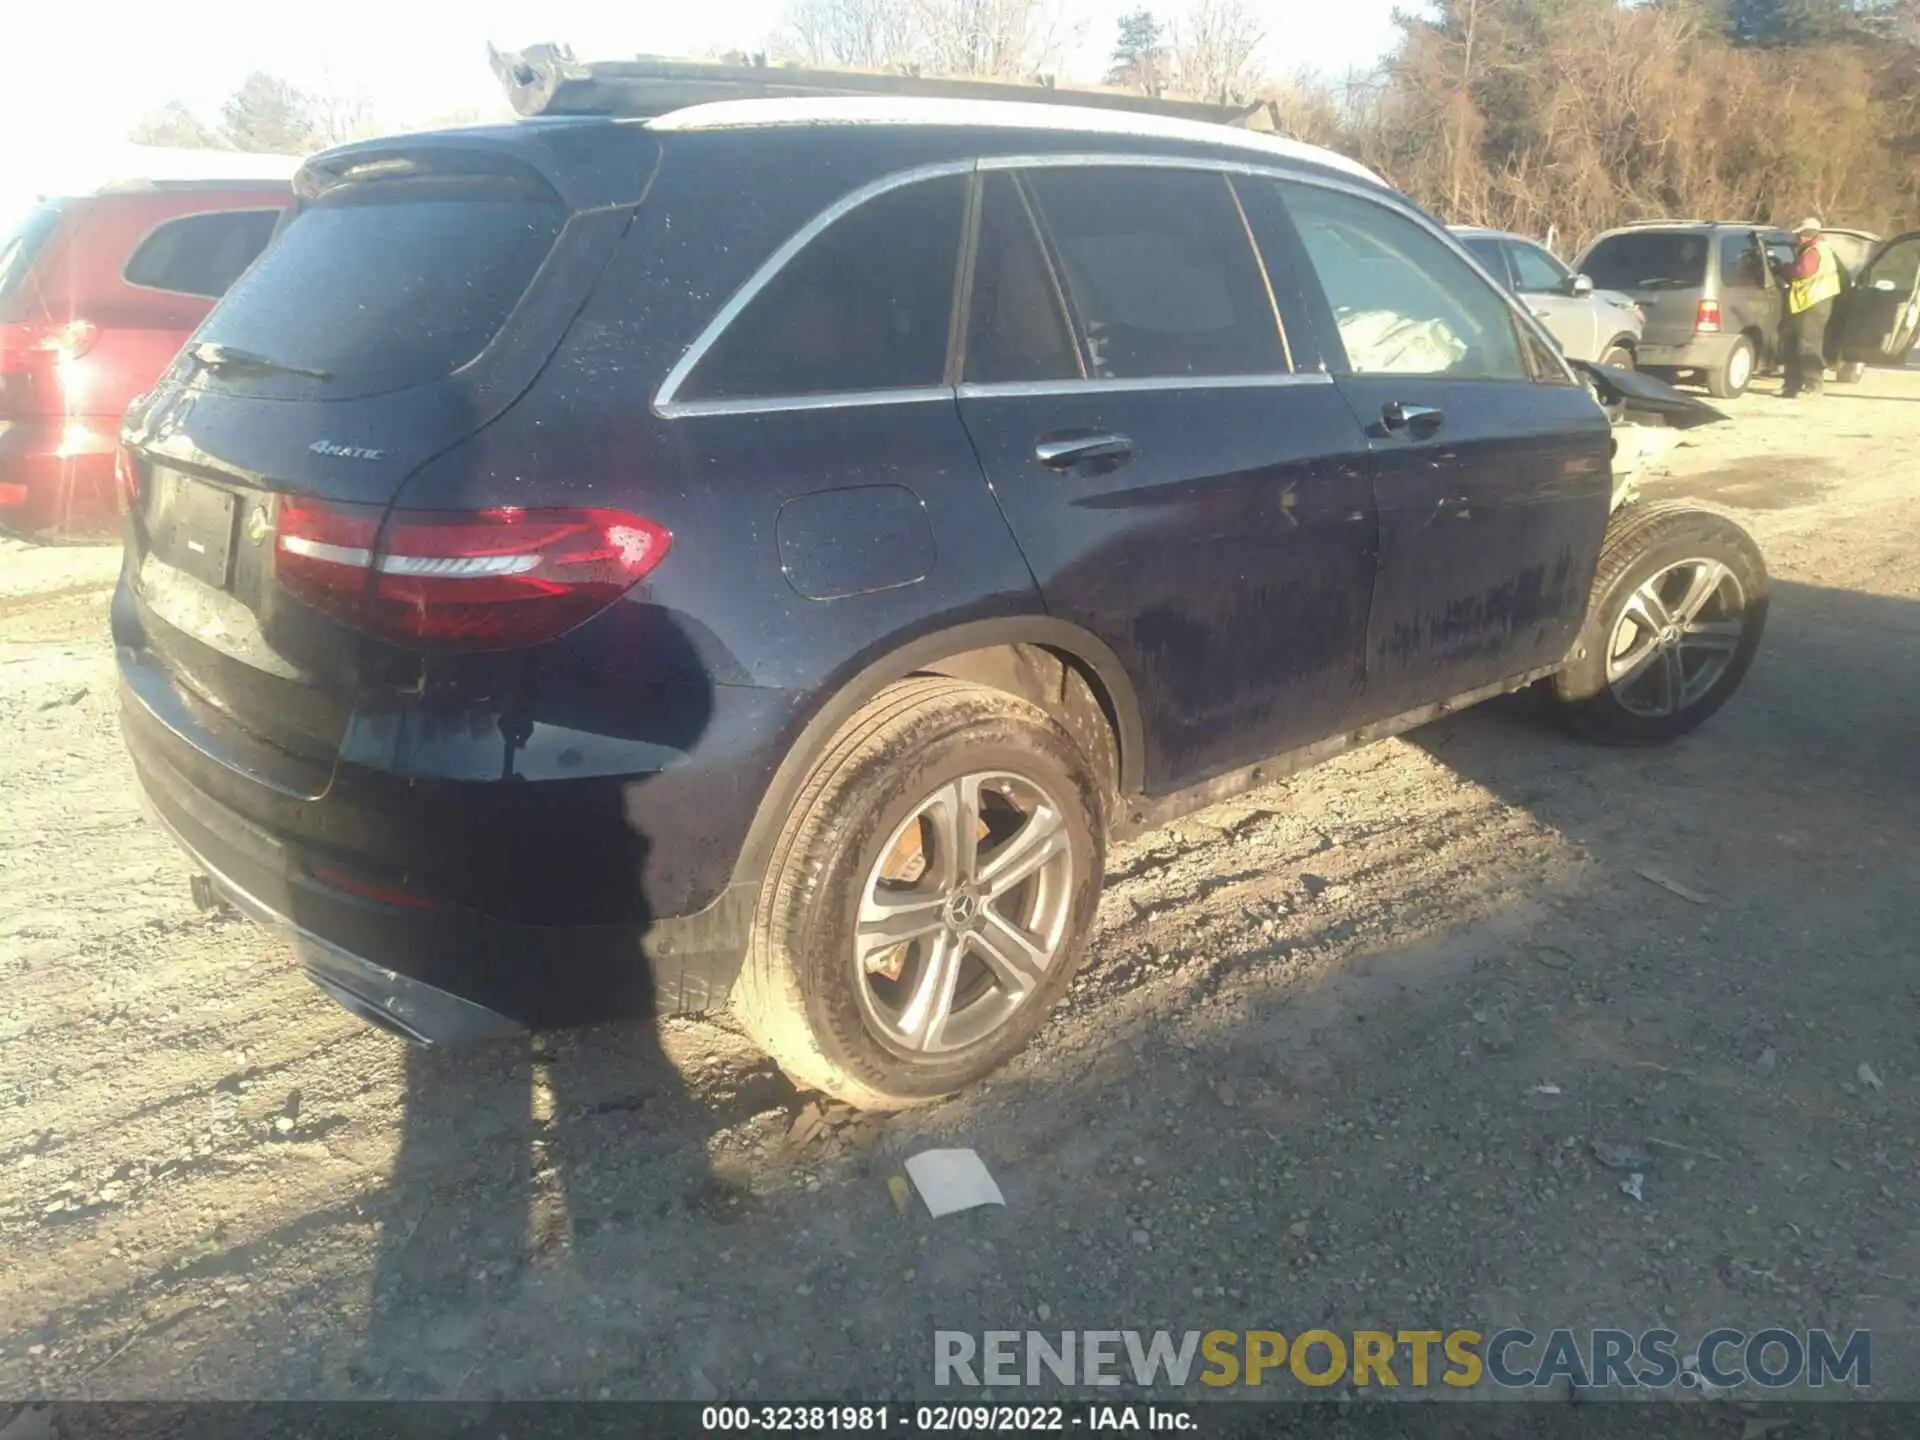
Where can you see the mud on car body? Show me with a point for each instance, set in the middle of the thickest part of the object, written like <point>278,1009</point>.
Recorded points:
<point>751,557</point>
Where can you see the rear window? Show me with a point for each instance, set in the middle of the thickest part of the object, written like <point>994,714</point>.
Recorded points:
<point>201,254</point>
<point>387,284</point>
<point>1648,260</point>
<point>21,244</point>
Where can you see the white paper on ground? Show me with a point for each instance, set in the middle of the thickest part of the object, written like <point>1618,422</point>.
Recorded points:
<point>950,1180</point>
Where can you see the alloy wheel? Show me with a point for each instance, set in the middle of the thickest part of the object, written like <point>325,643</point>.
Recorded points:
<point>1675,638</point>
<point>963,914</point>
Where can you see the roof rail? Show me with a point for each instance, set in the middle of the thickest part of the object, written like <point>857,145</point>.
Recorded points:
<point>548,80</point>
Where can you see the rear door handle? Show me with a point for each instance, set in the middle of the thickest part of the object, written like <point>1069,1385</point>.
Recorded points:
<point>1064,452</point>
<point>1418,419</point>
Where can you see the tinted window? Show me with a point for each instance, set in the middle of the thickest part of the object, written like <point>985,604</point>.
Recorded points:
<point>1405,302</point>
<point>1648,260</point>
<point>1015,329</point>
<point>865,306</point>
<point>1896,268</point>
<point>201,254</point>
<point>1489,253</point>
<point>389,283</point>
<point>1740,267</point>
<point>19,247</point>
<point>1160,272</point>
<point>1536,271</point>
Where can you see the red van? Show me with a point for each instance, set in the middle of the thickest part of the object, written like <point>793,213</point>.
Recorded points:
<point>97,293</point>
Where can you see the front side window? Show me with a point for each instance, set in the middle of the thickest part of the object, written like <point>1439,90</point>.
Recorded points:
<point>1404,301</point>
<point>1538,273</point>
<point>1740,263</point>
<point>1160,272</point>
<point>1895,269</point>
<point>201,254</point>
<point>865,306</point>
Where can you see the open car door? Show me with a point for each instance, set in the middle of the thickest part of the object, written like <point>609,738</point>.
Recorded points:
<point>1879,315</point>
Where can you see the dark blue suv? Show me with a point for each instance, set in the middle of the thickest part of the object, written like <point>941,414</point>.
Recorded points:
<point>762,555</point>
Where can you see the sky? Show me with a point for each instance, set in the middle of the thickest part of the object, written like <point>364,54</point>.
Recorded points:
<point>415,60</point>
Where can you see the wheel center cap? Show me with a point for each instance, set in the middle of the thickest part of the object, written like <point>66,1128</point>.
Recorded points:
<point>962,910</point>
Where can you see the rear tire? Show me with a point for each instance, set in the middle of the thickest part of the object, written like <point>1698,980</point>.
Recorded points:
<point>874,848</point>
<point>1679,604</point>
<point>1618,355</point>
<point>1729,380</point>
<point>1849,372</point>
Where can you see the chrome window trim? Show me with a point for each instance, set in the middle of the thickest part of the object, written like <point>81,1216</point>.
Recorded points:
<point>1004,388</point>
<point>830,400</point>
<point>776,262</point>
<point>667,407</point>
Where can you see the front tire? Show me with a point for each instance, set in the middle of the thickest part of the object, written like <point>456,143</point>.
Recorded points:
<point>1849,372</point>
<point>1729,380</point>
<point>929,897</point>
<point>1619,355</point>
<point>1678,606</point>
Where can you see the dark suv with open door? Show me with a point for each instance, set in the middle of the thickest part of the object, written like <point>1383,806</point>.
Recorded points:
<point>763,555</point>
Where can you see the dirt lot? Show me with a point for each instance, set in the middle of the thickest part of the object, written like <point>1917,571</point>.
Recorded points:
<point>1338,1058</point>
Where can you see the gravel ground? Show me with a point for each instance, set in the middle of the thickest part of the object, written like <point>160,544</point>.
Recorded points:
<point>1339,1058</point>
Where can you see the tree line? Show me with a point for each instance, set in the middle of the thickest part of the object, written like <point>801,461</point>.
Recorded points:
<point>1550,117</point>
<point>1560,117</point>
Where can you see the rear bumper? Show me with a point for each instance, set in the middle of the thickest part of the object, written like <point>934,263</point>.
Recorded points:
<point>1702,352</point>
<point>440,972</point>
<point>56,476</point>
<point>421,1013</point>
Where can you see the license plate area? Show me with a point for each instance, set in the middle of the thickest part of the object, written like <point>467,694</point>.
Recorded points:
<point>192,525</point>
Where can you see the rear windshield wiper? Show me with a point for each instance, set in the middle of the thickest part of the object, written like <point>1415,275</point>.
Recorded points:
<point>1664,282</point>
<point>210,355</point>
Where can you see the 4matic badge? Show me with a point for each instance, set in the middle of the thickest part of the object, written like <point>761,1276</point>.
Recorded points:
<point>345,452</point>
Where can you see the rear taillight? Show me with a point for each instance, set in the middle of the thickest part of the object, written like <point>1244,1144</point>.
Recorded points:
<point>1706,317</point>
<point>29,347</point>
<point>480,580</point>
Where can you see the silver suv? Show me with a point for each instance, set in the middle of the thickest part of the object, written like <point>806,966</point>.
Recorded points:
<point>1712,301</point>
<point>1590,324</point>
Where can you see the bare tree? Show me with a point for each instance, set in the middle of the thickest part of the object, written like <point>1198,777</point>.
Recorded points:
<point>866,34</point>
<point>1216,48</point>
<point>1007,38</point>
<point>176,127</point>
<point>268,114</point>
<point>1012,39</point>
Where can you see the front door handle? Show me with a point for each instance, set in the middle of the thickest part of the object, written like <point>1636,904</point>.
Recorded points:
<point>1416,419</point>
<point>1064,452</point>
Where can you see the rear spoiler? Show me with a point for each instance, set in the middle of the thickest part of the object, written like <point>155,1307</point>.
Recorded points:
<point>548,80</point>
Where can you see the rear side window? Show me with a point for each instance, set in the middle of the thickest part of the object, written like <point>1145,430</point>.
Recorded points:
<point>866,305</point>
<point>1405,303</point>
<point>1016,330</point>
<point>201,254</point>
<point>18,249</point>
<point>1160,272</point>
<point>388,284</point>
<point>1648,260</point>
